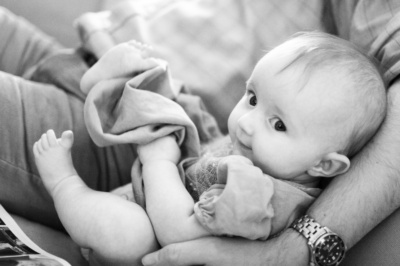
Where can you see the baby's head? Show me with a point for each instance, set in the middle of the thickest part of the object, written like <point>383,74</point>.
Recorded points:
<point>310,104</point>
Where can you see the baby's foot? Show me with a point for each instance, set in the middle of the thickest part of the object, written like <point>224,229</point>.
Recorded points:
<point>53,158</point>
<point>121,61</point>
<point>145,50</point>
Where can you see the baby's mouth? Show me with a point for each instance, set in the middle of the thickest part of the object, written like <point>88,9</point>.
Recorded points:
<point>243,148</point>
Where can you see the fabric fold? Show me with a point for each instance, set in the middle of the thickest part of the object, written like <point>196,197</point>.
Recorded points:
<point>248,203</point>
<point>242,207</point>
<point>130,101</point>
<point>138,110</point>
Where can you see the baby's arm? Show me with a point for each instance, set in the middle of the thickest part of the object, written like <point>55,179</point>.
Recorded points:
<point>116,230</point>
<point>168,203</point>
<point>244,209</point>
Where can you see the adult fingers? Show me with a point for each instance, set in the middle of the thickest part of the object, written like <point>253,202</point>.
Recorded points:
<point>180,254</point>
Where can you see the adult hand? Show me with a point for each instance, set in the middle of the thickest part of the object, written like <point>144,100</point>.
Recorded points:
<point>287,249</point>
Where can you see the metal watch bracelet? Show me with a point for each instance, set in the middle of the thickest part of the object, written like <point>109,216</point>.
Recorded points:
<point>326,247</point>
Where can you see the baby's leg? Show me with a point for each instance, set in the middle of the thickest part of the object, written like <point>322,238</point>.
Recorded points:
<point>117,230</point>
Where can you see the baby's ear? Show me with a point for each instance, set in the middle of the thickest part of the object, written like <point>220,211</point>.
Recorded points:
<point>332,164</point>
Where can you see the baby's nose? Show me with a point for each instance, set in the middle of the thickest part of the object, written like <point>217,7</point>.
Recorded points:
<point>246,124</point>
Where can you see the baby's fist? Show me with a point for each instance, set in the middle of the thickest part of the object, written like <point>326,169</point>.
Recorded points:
<point>164,148</point>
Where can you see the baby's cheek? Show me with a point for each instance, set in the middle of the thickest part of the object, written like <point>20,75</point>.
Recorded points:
<point>231,126</point>
<point>275,165</point>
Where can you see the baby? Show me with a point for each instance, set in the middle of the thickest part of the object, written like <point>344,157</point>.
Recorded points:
<point>310,105</point>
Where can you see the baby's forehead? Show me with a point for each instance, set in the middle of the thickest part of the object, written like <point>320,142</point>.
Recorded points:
<point>316,50</point>
<point>318,94</point>
<point>305,55</point>
<point>293,66</point>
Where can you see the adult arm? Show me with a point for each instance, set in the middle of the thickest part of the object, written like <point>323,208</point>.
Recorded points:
<point>368,193</point>
<point>356,201</point>
<point>371,185</point>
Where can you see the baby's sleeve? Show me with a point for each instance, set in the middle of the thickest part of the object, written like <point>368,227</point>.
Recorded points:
<point>242,207</point>
<point>251,204</point>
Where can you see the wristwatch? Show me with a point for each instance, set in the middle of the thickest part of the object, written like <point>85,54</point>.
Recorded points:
<point>326,247</point>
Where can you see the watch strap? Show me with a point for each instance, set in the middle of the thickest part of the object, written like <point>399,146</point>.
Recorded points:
<point>314,232</point>
<point>309,228</point>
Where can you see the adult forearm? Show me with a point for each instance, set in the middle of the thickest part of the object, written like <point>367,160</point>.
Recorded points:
<point>357,201</point>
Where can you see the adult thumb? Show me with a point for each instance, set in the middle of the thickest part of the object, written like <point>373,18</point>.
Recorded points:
<point>180,254</point>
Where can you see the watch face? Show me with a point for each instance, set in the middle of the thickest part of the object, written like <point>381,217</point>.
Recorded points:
<point>329,250</point>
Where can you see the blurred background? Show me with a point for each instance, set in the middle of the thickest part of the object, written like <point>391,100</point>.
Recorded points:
<point>60,14</point>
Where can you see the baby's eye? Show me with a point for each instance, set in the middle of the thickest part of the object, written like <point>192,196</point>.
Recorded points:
<point>253,100</point>
<point>279,126</point>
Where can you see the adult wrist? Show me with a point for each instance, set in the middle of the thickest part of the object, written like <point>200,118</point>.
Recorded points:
<point>296,247</point>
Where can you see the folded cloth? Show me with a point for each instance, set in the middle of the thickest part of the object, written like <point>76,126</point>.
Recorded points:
<point>119,72</point>
<point>129,100</point>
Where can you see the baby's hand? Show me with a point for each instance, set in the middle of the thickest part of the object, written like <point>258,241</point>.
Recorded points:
<point>164,148</point>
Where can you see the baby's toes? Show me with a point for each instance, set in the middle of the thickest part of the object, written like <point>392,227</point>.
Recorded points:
<point>138,45</point>
<point>39,147</point>
<point>44,142</point>
<point>51,138</point>
<point>36,151</point>
<point>67,139</point>
<point>144,49</point>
